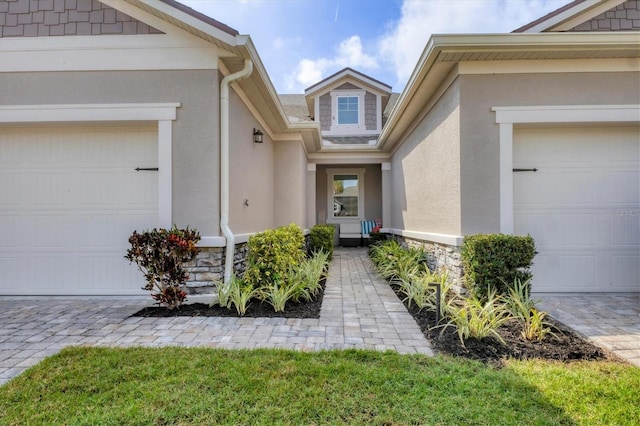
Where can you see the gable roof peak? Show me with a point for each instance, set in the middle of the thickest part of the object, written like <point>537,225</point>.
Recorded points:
<point>348,72</point>
<point>569,16</point>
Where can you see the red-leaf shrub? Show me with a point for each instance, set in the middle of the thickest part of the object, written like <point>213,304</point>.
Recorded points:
<point>160,255</point>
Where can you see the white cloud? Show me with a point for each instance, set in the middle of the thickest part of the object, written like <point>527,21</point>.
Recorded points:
<point>403,44</point>
<point>286,43</point>
<point>349,53</point>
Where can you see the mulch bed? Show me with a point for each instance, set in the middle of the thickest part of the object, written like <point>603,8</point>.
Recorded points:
<point>256,309</point>
<point>567,346</point>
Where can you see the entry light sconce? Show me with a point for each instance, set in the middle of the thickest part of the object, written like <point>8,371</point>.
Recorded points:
<point>257,136</point>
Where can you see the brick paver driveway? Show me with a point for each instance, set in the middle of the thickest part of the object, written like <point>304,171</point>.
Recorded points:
<point>359,310</point>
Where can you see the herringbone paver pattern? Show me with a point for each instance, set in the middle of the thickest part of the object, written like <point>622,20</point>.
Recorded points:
<point>359,310</point>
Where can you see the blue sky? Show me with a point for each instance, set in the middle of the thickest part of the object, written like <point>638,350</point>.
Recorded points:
<point>301,42</point>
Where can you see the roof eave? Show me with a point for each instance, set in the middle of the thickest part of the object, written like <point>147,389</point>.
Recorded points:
<point>489,44</point>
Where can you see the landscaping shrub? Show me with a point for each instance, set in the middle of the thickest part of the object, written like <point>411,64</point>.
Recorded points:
<point>277,272</point>
<point>395,262</point>
<point>272,253</point>
<point>478,318</point>
<point>160,255</point>
<point>322,237</point>
<point>235,294</point>
<point>377,237</point>
<point>494,261</point>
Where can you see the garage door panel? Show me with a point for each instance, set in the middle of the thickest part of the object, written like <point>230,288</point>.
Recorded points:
<point>616,187</point>
<point>563,272</point>
<point>70,199</point>
<point>625,230</point>
<point>581,207</point>
<point>626,269</point>
<point>557,229</point>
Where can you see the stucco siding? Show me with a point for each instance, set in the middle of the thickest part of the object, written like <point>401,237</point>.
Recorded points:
<point>196,148</point>
<point>290,183</point>
<point>479,156</point>
<point>425,172</point>
<point>251,175</point>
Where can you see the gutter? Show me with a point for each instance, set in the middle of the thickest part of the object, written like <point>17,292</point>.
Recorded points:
<point>224,165</point>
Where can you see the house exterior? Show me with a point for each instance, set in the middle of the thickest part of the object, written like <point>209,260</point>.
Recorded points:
<point>118,115</point>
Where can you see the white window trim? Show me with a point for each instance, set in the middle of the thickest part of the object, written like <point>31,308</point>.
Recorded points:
<point>164,114</point>
<point>330,174</point>
<point>346,129</point>
<point>508,116</point>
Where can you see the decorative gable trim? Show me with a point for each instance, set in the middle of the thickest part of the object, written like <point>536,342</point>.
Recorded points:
<point>44,18</point>
<point>624,17</point>
<point>569,16</point>
<point>346,73</point>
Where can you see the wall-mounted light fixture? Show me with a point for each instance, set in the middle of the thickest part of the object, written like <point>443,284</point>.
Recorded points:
<point>257,136</point>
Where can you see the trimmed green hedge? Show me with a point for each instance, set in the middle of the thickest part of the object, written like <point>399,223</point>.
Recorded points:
<point>272,253</point>
<point>495,261</point>
<point>322,237</point>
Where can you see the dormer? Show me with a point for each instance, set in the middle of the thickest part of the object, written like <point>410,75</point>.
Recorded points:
<point>348,104</point>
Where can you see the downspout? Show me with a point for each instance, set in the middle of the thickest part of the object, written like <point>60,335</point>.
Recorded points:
<point>224,164</point>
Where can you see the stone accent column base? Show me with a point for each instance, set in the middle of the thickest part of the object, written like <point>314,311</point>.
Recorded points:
<point>440,258</point>
<point>208,268</point>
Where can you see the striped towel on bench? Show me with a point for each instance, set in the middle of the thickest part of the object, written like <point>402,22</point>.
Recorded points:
<point>367,227</point>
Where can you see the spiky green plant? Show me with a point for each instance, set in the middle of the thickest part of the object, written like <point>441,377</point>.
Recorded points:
<point>447,295</point>
<point>279,293</point>
<point>311,271</point>
<point>536,327</point>
<point>236,293</point>
<point>519,300</point>
<point>479,319</point>
<point>416,290</point>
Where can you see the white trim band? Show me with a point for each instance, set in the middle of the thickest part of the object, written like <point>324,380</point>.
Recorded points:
<point>450,240</point>
<point>508,116</point>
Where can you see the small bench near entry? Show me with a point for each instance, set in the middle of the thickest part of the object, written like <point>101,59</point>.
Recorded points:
<point>354,234</point>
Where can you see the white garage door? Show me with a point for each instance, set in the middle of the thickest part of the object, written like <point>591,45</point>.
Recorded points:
<point>69,199</point>
<point>582,206</point>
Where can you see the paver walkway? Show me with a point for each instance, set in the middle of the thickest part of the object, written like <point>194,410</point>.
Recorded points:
<point>611,321</point>
<point>359,310</point>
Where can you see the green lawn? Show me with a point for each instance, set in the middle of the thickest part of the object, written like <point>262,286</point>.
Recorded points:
<point>204,386</point>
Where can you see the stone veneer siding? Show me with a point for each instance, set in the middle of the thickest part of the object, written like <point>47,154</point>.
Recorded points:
<point>208,268</point>
<point>370,113</point>
<point>42,18</point>
<point>625,17</point>
<point>440,257</point>
<point>325,112</point>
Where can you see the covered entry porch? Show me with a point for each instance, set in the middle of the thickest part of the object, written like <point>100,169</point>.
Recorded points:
<point>347,194</point>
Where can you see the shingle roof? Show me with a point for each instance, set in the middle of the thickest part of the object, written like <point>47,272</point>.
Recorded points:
<point>295,106</point>
<point>204,18</point>
<point>547,16</point>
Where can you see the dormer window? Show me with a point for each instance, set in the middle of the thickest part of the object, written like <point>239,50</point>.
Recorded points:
<point>348,109</point>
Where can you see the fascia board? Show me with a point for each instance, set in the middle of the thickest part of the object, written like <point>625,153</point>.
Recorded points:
<point>495,43</point>
<point>426,60</point>
<point>266,89</point>
<point>574,16</point>
<point>328,84</point>
<point>538,41</point>
<point>185,18</point>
